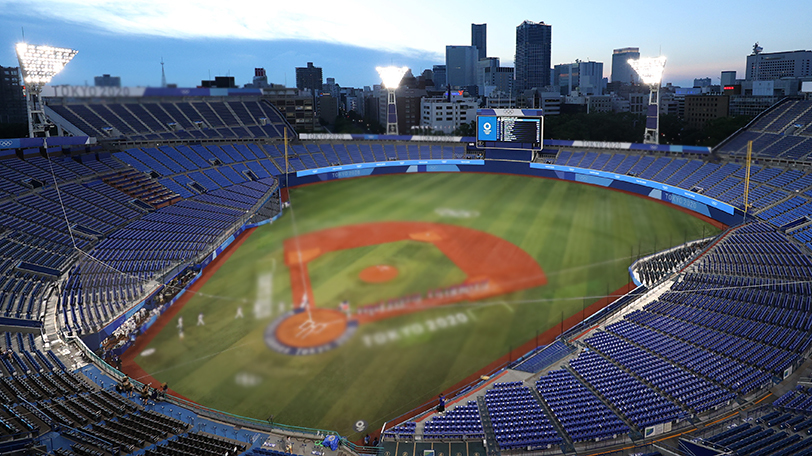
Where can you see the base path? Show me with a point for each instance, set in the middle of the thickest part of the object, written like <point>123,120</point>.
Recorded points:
<point>492,265</point>
<point>483,257</point>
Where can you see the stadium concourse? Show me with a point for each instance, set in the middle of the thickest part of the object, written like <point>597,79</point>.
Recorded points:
<point>706,356</point>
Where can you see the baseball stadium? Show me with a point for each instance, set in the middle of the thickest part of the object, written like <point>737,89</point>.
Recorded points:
<point>184,274</point>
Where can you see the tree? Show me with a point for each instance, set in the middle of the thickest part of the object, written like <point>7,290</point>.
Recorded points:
<point>466,129</point>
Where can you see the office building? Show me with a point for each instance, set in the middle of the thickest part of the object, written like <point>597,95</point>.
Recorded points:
<point>700,109</point>
<point>440,114</point>
<point>533,52</point>
<point>479,39</point>
<point>106,80</point>
<point>297,108</point>
<point>776,65</point>
<point>622,72</point>
<point>460,63</point>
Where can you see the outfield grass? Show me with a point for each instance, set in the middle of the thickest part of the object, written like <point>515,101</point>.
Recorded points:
<point>584,238</point>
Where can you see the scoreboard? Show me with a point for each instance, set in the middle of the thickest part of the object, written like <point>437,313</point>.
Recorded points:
<point>510,128</point>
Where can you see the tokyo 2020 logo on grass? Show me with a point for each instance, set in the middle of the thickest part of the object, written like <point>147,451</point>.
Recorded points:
<point>492,266</point>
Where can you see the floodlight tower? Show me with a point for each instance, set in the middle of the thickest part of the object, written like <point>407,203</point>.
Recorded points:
<point>391,77</point>
<point>38,65</point>
<point>650,71</point>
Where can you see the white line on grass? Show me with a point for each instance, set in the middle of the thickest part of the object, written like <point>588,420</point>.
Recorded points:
<point>192,361</point>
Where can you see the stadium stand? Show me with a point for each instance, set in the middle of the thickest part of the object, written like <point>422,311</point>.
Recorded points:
<point>737,319</point>
<point>462,422</point>
<point>155,118</point>
<point>517,418</point>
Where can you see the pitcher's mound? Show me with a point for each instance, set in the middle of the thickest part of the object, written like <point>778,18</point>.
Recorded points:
<point>378,274</point>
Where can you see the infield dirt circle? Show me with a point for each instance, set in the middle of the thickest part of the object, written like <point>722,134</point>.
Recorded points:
<point>378,274</point>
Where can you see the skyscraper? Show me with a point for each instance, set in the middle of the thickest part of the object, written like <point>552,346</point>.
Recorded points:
<point>533,51</point>
<point>460,64</point>
<point>621,70</point>
<point>479,39</point>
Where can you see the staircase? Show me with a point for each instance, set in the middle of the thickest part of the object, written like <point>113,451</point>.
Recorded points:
<point>567,446</point>
<point>491,446</point>
<point>683,407</point>
<point>635,431</point>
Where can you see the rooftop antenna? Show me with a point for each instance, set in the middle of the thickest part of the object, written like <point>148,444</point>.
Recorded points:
<point>23,30</point>
<point>163,74</point>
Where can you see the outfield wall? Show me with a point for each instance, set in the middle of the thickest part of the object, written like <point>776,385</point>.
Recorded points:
<point>695,202</point>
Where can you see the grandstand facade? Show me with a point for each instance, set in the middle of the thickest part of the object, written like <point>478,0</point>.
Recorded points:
<point>99,234</point>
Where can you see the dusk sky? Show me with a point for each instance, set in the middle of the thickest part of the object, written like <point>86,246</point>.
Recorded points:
<point>349,38</point>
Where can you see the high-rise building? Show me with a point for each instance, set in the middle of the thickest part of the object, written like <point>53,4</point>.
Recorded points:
<point>309,78</point>
<point>587,77</point>
<point>440,77</point>
<point>776,65</point>
<point>12,98</point>
<point>728,78</point>
<point>503,80</point>
<point>330,87</point>
<point>479,39</point>
<point>484,68</point>
<point>621,70</point>
<point>106,80</point>
<point>533,53</point>
<point>297,108</point>
<point>460,63</point>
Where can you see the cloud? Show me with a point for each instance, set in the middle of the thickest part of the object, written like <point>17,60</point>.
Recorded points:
<point>363,23</point>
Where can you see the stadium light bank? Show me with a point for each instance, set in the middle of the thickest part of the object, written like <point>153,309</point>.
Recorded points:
<point>650,70</point>
<point>38,65</point>
<point>391,76</point>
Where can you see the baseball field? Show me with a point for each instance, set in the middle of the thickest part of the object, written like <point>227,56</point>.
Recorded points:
<point>373,295</point>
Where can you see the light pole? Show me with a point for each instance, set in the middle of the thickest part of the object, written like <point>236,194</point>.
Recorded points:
<point>391,77</point>
<point>650,70</point>
<point>38,65</point>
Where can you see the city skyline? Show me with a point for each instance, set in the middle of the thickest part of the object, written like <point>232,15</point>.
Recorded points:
<point>202,40</point>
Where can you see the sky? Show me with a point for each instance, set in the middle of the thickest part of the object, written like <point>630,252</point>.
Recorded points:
<point>348,38</point>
